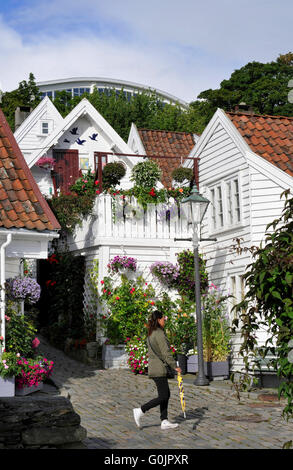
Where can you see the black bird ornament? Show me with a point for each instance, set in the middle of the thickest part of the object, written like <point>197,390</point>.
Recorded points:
<point>80,142</point>
<point>93,137</point>
<point>74,131</point>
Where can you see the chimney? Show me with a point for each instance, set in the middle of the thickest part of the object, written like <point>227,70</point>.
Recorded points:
<point>243,108</point>
<point>21,113</point>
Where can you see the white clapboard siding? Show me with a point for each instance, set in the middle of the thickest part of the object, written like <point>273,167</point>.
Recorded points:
<point>221,160</point>
<point>266,204</point>
<point>12,267</point>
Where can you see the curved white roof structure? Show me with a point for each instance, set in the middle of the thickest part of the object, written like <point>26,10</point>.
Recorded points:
<point>79,85</point>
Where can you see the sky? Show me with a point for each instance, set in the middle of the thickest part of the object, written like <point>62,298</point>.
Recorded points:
<point>182,47</point>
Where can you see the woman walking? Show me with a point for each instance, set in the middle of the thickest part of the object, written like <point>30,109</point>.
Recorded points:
<point>159,354</point>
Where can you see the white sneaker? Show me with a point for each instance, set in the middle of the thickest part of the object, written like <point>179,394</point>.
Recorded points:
<point>167,425</point>
<point>137,414</point>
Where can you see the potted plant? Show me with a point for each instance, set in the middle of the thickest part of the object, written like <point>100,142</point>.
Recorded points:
<point>122,264</point>
<point>20,289</point>
<point>32,374</point>
<point>9,368</point>
<point>192,360</point>
<point>216,333</point>
<point>125,313</point>
<point>112,174</point>
<point>166,273</point>
<point>46,162</point>
<point>183,330</point>
<point>182,174</point>
<point>146,174</point>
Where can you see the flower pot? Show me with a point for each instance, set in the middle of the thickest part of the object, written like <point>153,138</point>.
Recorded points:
<point>182,362</point>
<point>217,370</point>
<point>27,390</point>
<point>7,387</point>
<point>114,357</point>
<point>192,363</point>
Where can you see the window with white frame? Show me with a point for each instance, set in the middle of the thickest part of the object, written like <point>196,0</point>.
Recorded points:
<point>225,207</point>
<point>236,288</point>
<point>45,128</point>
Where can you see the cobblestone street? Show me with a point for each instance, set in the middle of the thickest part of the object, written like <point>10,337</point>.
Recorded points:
<point>215,419</point>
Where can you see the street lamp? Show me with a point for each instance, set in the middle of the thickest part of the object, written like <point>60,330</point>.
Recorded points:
<point>198,206</point>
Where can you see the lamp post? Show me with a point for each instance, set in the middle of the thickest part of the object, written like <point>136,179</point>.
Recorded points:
<point>198,206</point>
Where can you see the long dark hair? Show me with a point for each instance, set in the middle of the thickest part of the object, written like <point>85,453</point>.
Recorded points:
<point>153,323</point>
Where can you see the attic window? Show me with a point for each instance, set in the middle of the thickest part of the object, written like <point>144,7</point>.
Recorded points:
<point>45,128</point>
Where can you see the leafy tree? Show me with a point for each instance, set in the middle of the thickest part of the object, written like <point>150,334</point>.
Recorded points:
<point>27,94</point>
<point>263,86</point>
<point>268,302</point>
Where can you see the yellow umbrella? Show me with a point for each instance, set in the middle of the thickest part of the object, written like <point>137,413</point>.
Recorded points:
<point>181,393</point>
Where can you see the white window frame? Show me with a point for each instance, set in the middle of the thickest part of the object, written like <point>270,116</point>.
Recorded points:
<point>235,287</point>
<point>225,213</point>
<point>50,127</point>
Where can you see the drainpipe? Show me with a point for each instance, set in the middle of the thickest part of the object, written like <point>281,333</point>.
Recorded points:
<point>2,284</point>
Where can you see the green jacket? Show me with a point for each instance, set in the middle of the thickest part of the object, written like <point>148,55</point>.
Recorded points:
<point>160,344</point>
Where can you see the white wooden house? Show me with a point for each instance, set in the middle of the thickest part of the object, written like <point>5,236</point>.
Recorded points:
<point>27,224</point>
<point>147,237</point>
<point>246,162</point>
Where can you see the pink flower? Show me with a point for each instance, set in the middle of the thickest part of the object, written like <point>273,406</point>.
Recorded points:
<point>7,318</point>
<point>35,343</point>
<point>117,298</point>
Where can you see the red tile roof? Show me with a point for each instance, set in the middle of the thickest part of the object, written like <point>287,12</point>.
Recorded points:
<point>271,137</point>
<point>21,202</point>
<point>167,143</point>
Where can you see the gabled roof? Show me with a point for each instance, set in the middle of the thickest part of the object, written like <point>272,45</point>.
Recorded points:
<point>167,143</point>
<point>271,137</point>
<point>44,106</point>
<point>21,202</point>
<point>83,108</point>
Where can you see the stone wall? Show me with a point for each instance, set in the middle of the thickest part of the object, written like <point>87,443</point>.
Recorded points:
<point>39,423</point>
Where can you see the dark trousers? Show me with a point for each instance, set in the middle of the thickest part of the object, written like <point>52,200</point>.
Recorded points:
<point>162,398</point>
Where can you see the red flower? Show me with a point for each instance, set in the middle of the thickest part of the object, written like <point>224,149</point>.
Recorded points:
<point>96,182</point>
<point>105,290</point>
<point>97,191</point>
<point>102,282</point>
<point>117,298</point>
<point>152,192</point>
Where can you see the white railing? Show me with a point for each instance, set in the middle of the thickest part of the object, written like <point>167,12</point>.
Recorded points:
<point>130,221</point>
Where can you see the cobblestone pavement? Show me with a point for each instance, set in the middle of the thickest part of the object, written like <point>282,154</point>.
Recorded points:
<point>215,419</point>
